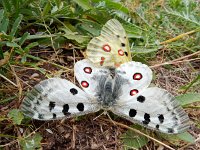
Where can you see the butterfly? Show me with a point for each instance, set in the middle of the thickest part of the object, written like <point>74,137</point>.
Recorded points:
<point>124,91</point>
<point>111,48</point>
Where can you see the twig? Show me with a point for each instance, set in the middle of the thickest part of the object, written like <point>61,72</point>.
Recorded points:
<point>178,37</point>
<point>46,61</point>
<point>17,81</point>
<point>137,131</point>
<point>8,80</point>
<point>178,60</point>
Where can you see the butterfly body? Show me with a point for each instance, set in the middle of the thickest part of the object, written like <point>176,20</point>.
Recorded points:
<point>123,91</point>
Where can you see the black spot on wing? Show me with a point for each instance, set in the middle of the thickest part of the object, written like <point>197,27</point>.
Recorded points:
<point>170,130</point>
<point>40,98</point>
<point>132,112</point>
<point>123,44</point>
<point>157,126</point>
<point>141,99</point>
<point>80,106</point>
<point>40,116</point>
<point>118,36</point>
<point>146,119</point>
<point>51,105</point>
<point>126,53</point>
<point>54,116</point>
<point>73,91</point>
<point>37,103</point>
<point>161,118</point>
<point>65,109</point>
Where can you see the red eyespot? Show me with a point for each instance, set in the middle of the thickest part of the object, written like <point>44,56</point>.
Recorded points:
<point>84,84</point>
<point>88,70</point>
<point>121,52</point>
<point>102,61</point>
<point>133,92</point>
<point>106,48</point>
<point>137,76</point>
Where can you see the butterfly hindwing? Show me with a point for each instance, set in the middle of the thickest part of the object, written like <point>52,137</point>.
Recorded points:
<point>111,48</point>
<point>138,76</point>
<point>56,98</point>
<point>154,108</point>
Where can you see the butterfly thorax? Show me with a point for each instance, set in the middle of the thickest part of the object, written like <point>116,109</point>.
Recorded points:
<point>105,92</point>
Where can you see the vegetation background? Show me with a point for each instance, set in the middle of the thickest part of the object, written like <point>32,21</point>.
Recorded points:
<point>43,38</point>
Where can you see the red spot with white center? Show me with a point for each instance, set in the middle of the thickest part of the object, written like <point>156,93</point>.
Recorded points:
<point>121,52</point>
<point>102,61</point>
<point>88,70</point>
<point>137,76</point>
<point>133,92</point>
<point>84,84</point>
<point>106,48</point>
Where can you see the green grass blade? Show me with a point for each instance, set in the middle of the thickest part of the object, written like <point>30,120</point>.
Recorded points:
<point>16,25</point>
<point>23,38</point>
<point>4,25</point>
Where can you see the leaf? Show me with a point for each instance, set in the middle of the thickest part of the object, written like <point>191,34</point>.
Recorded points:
<point>4,24</point>
<point>186,136</point>
<point>183,15</point>
<point>16,116</point>
<point>16,25</point>
<point>1,14</point>
<point>78,38</point>
<point>85,4</point>
<point>89,26</point>
<point>133,140</point>
<point>47,8</point>
<point>6,57</point>
<point>31,143</point>
<point>193,82</point>
<point>6,5</point>
<point>12,44</point>
<point>112,5</point>
<point>176,139</point>
<point>189,98</point>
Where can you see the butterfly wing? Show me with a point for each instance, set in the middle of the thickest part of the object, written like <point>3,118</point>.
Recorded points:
<point>111,48</point>
<point>134,76</point>
<point>90,77</point>
<point>154,108</point>
<point>57,98</point>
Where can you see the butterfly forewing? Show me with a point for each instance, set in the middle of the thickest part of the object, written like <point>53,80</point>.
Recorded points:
<point>57,98</point>
<point>89,76</point>
<point>111,48</point>
<point>154,108</point>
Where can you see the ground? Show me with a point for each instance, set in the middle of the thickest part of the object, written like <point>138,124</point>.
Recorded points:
<point>84,132</point>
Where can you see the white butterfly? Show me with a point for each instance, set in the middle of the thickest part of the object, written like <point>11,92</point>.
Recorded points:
<point>111,48</point>
<point>124,91</point>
